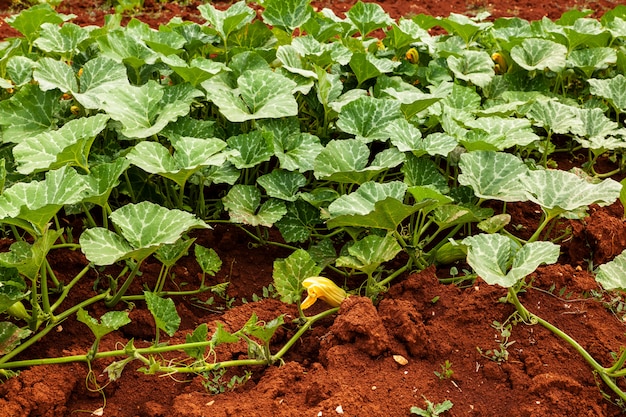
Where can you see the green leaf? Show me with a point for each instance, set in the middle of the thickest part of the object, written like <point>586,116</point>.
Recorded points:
<point>147,224</point>
<point>368,253</point>
<point>536,54</point>
<point>613,89</point>
<point>282,184</point>
<point>612,275</point>
<point>288,14</point>
<point>262,330</point>
<point>104,247</point>
<point>28,22</point>
<point>299,221</point>
<point>12,287</point>
<point>367,118</point>
<point>562,190</point>
<point>51,73</point>
<point>61,39</point>
<point>253,148</point>
<point>145,110</point>
<point>222,336</point>
<point>100,76</point>
<point>235,17</point>
<point>424,172</point>
<point>144,226</point>
<point>472,66</point>
<point>363,200</point>
<point>123,47</point>
<point>243,203</point>
<point>20,70</point>
<point>500,133</point>
<point>297,152</point>
<point>554,116</point>
<point>69,145</point>
<point>170,253</point>
<point>109,322</point>
<point>493,175</point>
<point>164,312</point>
<point>208,259</point>
<point>450,215</point>
<point>463,26</point>
<point>366,66</point>
<point>260,94</point>
<point>197,70</point>
<point>589,60</point>
<point>11,336</point>
<point>387,214</point>
<point>498,259</point>
<point>38,201</point>
<point>367,17</point>
<point>190,155</point>
<point>290,272</point>
<point>102,179</point>
<point>200,334</point>
<point>29,112</point>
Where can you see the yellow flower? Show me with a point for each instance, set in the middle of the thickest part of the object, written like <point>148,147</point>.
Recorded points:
<point>500,66</point>
<point>412,56</point>
<point>322,288</point>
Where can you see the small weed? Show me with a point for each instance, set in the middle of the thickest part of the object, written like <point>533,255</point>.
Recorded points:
<point>214,381</point>
<point>432,410</point>
<point>501,354</point>
<point>446,370</point>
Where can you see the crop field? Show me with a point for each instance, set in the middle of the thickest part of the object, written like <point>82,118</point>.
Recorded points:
<point>288,208</point>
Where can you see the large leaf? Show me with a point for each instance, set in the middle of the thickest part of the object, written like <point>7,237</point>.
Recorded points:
<point>38,201</point>
<point>473,66</point>
<point>288,14</point>
<point>368,253</point>
<point>235,17</point>
<point>566,191</point>
<point>367,117</point>
<point>613,89</point>
<point>299,221</point>
<point>29,112</point>
<point>144,227</point>
<point>493,175</point>
<point>68,145</point>
<point>387,215</point>
<point>190,155</point>
<point>100,75</point>
<point>51,73</point>
<point>367,17</point>
<point>260,94</point>
<point>252,149</point>
<point>346,161</point>
<point>243,203</point>
<point>145,110</point>
<point>290,272</point>
<point>102,179</point>
<point>363,200</point>
<point>612,275</point>
<point>282,184</point>
<point>501,133</point>
<point>498,259</point>
<point>536,54</point>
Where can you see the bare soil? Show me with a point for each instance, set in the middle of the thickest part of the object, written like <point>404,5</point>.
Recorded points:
<point>345,364</point>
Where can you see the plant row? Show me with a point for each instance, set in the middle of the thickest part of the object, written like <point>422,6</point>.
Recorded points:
<point>359,138</point>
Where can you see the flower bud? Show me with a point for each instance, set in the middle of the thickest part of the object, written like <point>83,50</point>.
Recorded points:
<point>324,289</point>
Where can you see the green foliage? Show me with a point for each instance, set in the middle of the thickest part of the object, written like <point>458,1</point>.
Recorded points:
<point>369,156</point>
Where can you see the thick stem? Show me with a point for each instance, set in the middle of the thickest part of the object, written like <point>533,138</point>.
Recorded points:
<point>129,280</point>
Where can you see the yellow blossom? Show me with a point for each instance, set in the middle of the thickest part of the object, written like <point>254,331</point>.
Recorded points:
<point>324,289</point>
<point>412,56</point>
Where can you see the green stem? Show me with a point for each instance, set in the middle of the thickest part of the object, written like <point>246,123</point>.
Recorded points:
<point>68,287</point>
<point>49,327</point>
<point>129,280</point>
<point>395,274</point>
